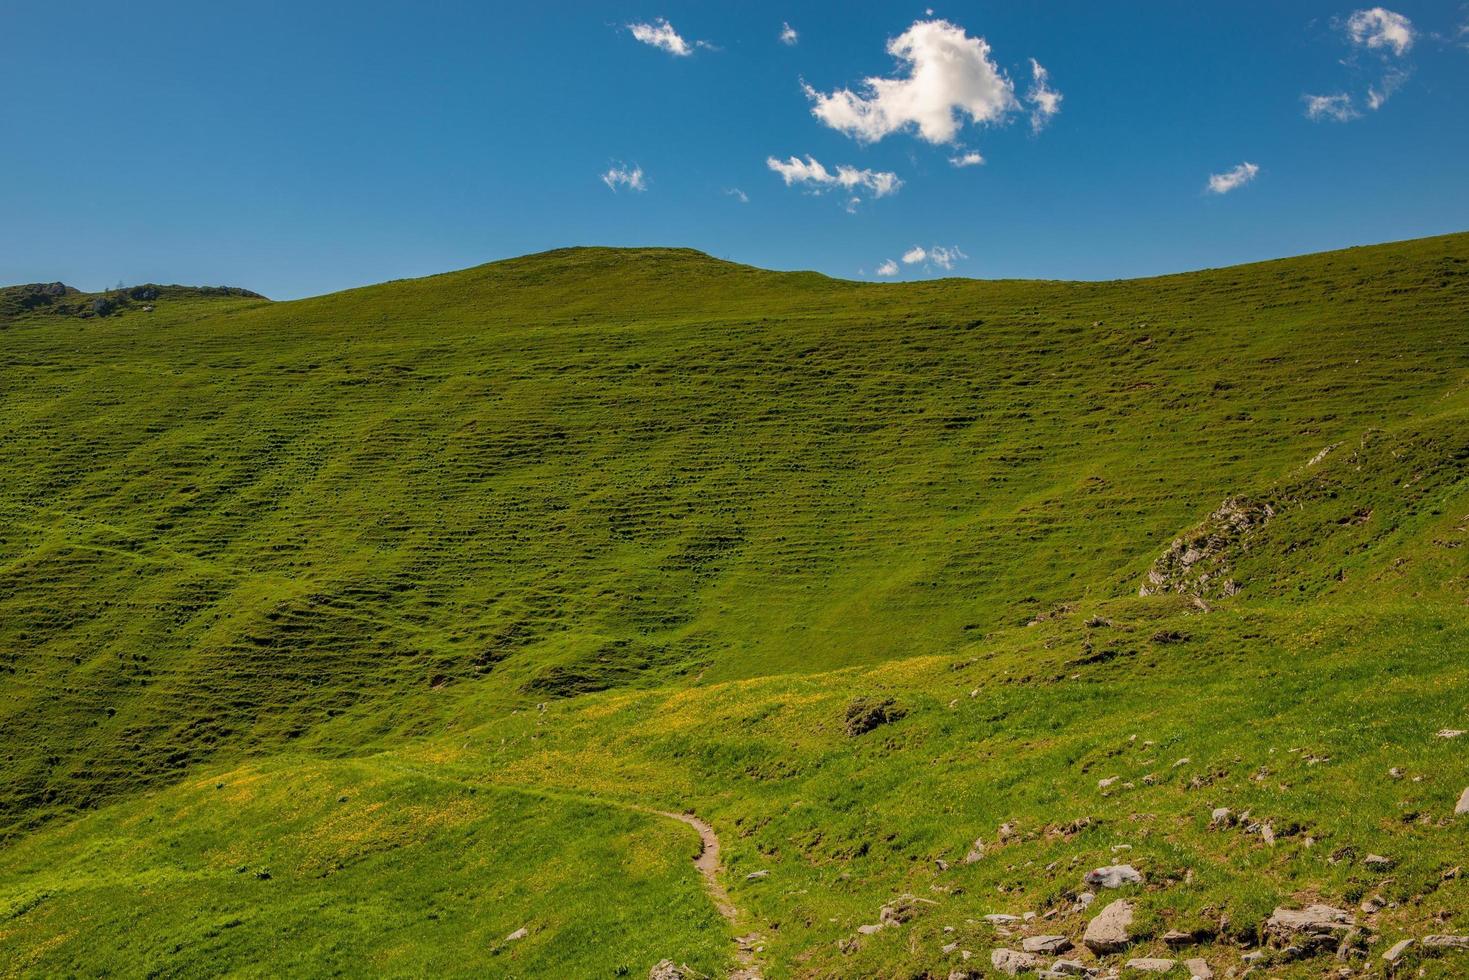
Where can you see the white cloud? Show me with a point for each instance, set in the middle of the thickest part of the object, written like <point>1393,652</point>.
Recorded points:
<point>621,175</point>
<point>967,159</point>
<point>947,72</point>
<point>1381,28</point>
<point>810,173</point>
<point>660,34</point>
<point>738,195</point>
<point>1337,108</point>
<point>1044,101</point>
<point>1379,94</point>
<point>1233,178</point>
<point>788,35</point>
<point>914,255</point>
<point>888,268</point>
<point>945,258</point>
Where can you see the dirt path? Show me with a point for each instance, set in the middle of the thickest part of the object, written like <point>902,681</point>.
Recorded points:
<point>707,861</point>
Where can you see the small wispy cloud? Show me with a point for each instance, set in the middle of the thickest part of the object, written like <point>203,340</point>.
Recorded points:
<point>888,268</point>
<point>811,174</point>
<point>1044,101</point>
<point>788,35</point>
<point>738,195</point>
<point>1336,108</point>
<point>621,175</point>
<point>1232,179</point>
<point>659,33</point>
<point>969,158</point>
<point>934,256</point>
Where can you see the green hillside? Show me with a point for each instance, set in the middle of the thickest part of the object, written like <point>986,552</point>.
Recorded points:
<point>354,634</point>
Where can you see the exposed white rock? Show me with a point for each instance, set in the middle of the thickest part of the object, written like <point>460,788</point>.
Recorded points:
<point>1149,964</point>
<point>1114,876</point>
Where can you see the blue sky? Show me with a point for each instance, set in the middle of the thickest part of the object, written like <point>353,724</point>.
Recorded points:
<point>303,147</point>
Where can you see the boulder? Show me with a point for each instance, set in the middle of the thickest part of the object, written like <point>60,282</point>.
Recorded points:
<point>1397,952</point>
<point>1377,862</point>
<point>976,851</point>
<point>1463,805</point>
<point>1013,963</point>
<point>1071,968</point>
<point>667,970</point>
<point>1445,942</point>
<point>1149,964</point>
<point>1221,817</point>
<point>1312,927</point>
<point>1198,969</point>
<point>1114,876</point>
<point>1048,945</point>
<point>1109,931</point>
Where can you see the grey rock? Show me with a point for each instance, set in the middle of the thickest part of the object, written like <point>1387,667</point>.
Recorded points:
<point>976,851</point>
<point>1071,968</point>
<point>1313,926</point>
<point>520,933</point>
<point>1198,969</point>
<point>1001,919</point>
<point>1149,964</point>
<point>667,970</point>
<point>1221,817</point>
<point>1446,942</point>
<point>869,929</point>
<point>1463,805</point>
<point>1109,931</point>
<point>1378,862</point>
<point>1048,945</point>
<point>1398,950</point>
<point>757,875</point>
<point>1013,963</point>
<point>1114,876</point>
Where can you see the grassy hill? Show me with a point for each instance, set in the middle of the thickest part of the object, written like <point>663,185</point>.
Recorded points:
<point>419,598</point>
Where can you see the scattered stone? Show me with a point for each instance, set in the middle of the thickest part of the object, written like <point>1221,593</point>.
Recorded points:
<point>518,934</point>
<point>1198,563</point>
<point>1450,732</point>
<point>757,875</point>
<point>1071,968</point>
<point>1378,862</point>
<point>868,930</point>
<point>1085,899</point>
<point>1446,942</point>
<point>1254,957</point>
<point>1104,783</point>
<point>666,970</point>
<point>1311,927</point>
<point>1373,904</point>
<point>1392,956</point>
<point>1198,969</point>
<point>1006,831</point>
<point>1149,964</point>
<point>1221,817</point>
<point>1267,833</point>
<point>1462,807</point>
<point>1114,876</point>
<point>1109,931</point>
<point>976,851</point>
<point>1000,919</point>
<point>1182,762</point>
<point>902,909</point>
<point>1177,937</point>
<point>1047,945</point>
<point>1013,963</point>
<point>1396,772</point>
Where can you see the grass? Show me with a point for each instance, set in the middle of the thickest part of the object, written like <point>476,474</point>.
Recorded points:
<point>343,547</point>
